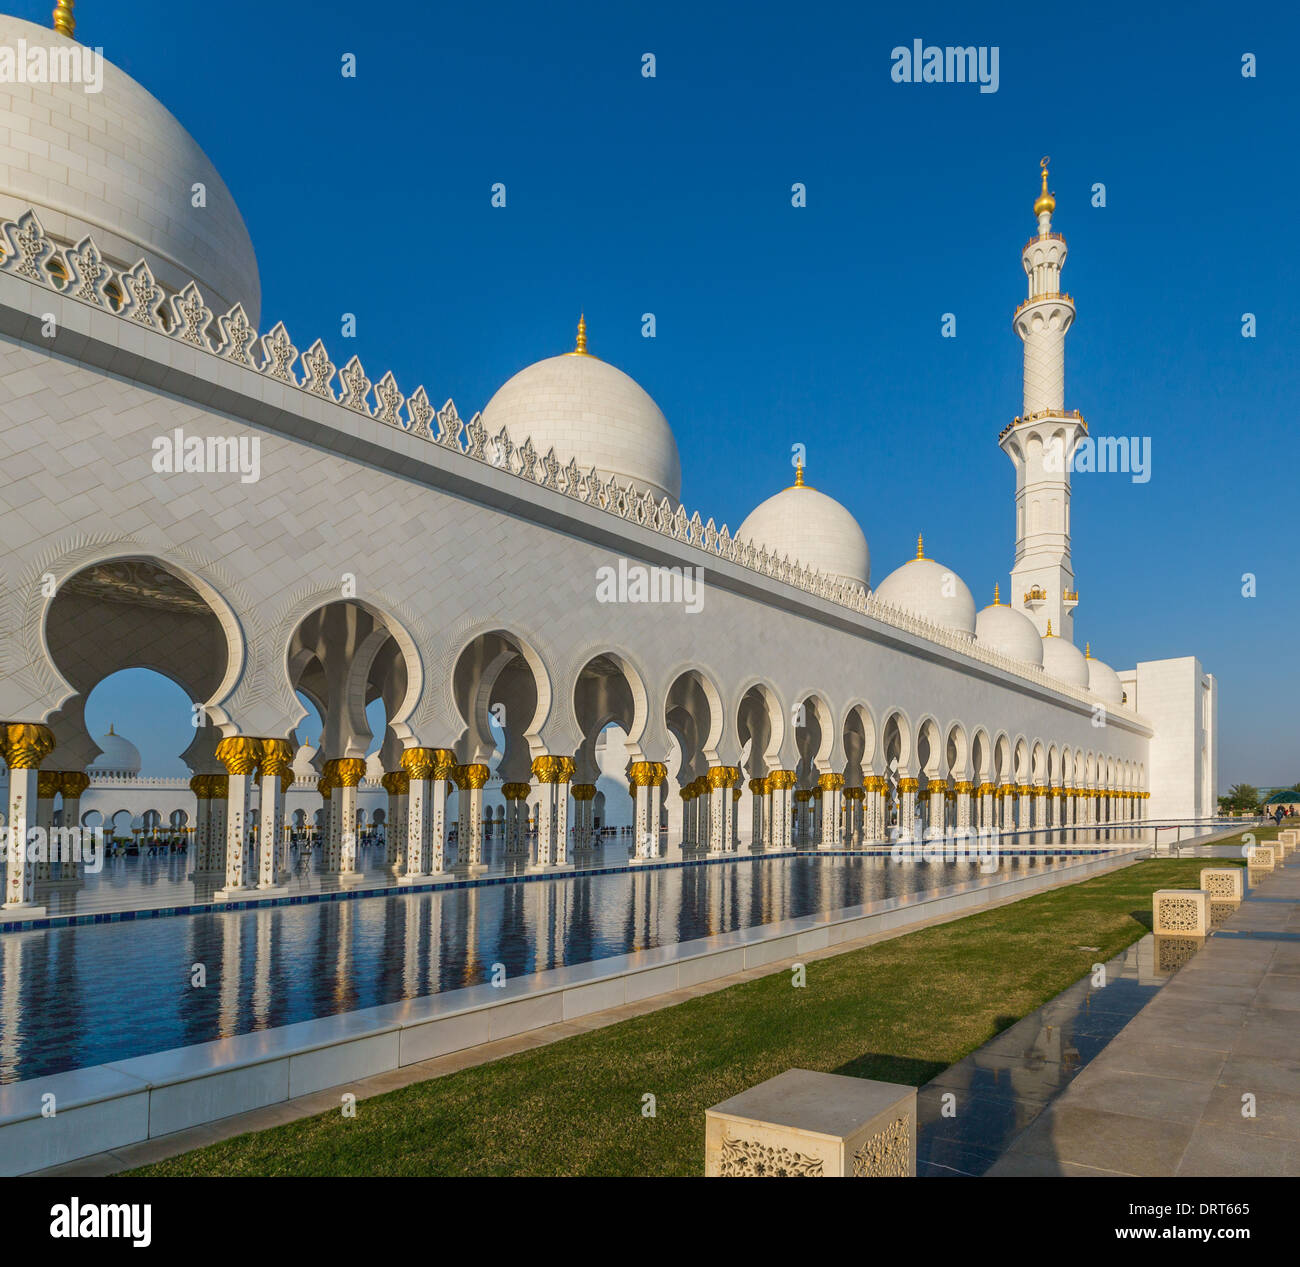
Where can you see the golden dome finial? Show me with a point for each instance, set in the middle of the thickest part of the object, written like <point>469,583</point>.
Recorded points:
<point>1087,651</point>
<point>65,21</point>
<point>920,546</point>
<point>798,474</point>
<point>997,594</point>
<point>581,348</point>
<point>1049,627</point>
<point>1045,201</point>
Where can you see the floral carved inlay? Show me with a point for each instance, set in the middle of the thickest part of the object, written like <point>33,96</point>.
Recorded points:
<point>744,1158</point>
<point>887,1154</point>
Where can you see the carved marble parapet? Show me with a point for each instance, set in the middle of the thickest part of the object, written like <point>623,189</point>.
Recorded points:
<point>813,1125</point>
<point>1180,912</point>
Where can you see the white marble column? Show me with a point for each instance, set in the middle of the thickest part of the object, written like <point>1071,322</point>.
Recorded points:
<point>240,755</point>
<point>275,774</point>
<point>831,787</point>
<point>25,746</point>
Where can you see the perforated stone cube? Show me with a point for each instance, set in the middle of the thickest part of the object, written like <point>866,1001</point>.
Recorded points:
<point>1180,912</point>
<point>813,1125</point>
<point>1224,884</point>
<point>1261,858</point>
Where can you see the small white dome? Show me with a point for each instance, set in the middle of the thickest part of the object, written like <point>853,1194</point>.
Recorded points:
<point>1104,682</point>
<point>117,166</point>
<point>1010,632</point>
<point>812,529</point>
<point>587,410</point>
<point>929,590</point>
<point>1064,661</point>
<point>117,756</point>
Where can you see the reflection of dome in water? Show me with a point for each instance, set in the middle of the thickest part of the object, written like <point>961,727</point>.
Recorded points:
<point>118,756</point>
<point>117,166</point>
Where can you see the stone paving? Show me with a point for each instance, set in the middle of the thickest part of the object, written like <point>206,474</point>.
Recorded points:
<point>1169,1094</point>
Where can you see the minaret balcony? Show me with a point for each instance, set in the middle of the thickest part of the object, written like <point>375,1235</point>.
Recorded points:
<point>1035,598</point>
<point>1055,296</point>
<point>1071,598</point>
<point>1065,415</point>
<point>1042,237</point>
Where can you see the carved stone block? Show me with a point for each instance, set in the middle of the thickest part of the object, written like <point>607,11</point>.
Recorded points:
<point>1180,912</point>
<point>813,1125</point>
<point>1261,858</point>
<point>1224,884</point>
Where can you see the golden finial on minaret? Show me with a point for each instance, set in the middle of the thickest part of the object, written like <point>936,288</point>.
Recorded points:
<point>65,21</point>
<point>920,547</point>
<point>1045,200</point>
<point>1049,627</point>
<point>1087,651</point>
<point>798,474</point>
<point>997,594</point>
<point>581,348</point>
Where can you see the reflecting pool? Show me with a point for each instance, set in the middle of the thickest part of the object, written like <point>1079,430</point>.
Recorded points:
<point>85,995</point>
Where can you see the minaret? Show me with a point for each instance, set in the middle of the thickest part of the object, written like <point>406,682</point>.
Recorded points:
<point>1040,441</point>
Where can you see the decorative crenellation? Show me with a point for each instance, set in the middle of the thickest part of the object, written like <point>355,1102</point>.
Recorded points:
<point>80,272</point>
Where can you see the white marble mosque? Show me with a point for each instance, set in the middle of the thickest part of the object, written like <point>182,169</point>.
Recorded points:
<point>458,571</point>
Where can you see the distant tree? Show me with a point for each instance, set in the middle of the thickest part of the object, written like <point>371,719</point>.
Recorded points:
<point>1242,797</point>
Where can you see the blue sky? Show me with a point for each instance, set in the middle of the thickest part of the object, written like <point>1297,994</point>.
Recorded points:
<point>818,325</point>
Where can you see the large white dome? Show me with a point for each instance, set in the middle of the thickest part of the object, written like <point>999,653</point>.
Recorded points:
<point>933,592</point>
<point>587,410</point>
<point>1064,661</point>
<point>1103,681</point>
<point>1010,632</point>
<point>812,529</point>
<point>117,166</point>
<point>117,756</point>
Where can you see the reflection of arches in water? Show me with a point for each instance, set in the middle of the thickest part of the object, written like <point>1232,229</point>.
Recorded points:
<point>92,818</point>
<point>179,820</point>
<point>299,819</point>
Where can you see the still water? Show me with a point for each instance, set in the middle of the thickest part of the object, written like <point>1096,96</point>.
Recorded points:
<point>71,997</point>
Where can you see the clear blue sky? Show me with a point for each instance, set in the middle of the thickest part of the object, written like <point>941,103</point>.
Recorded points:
<point>819,325</point>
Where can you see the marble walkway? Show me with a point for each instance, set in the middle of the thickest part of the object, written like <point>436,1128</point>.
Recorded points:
<point>1205,1080</point>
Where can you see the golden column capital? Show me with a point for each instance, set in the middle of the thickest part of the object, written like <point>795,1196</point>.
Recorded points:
<point>199,786</point>
<point>218,786</point>
<point>964,786</point>
<point>644,774</point>
<point>474,776</point>
<point>783,779</point>
<point>831,782</point>
<point>74,782</point>
<point>719,776</point>
<point>552,769</point>
<point>582,791</point>
<point>350,771</point>
<point>735,793</point>
<point>517,791</point>
<point>275,759</point>
<point>325,785</point>
<point>26,744</point>
<point>855,794</point>
<point>802,795</point>
<point>758,786</point>
<point>240,754</point>
<point>908,785</point>
<point>48,783</point>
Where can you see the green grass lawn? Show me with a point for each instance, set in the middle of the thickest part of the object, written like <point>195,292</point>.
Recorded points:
<point>902,1011</point>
